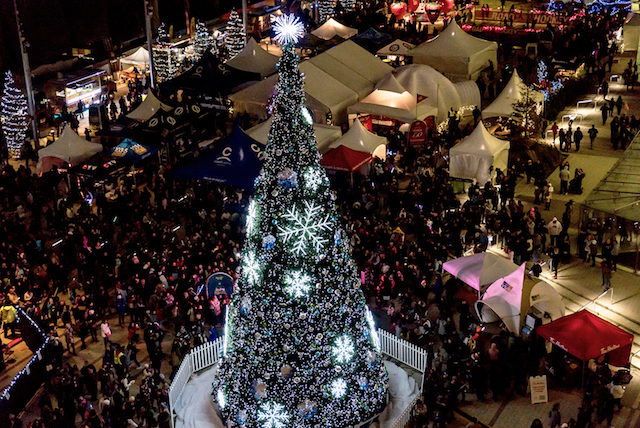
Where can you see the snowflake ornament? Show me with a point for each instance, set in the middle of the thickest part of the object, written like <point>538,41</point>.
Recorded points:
<point>372,330</point>
<point>304,228</point>
<point>272,415</point>
<point>288,29</point>
<point>251,268</point>
<point>343,349</point>
<point>298,283</point>
<point>221,400</point>
<point>251,217</point>
<point>313,178</point>
<point>338,388</point>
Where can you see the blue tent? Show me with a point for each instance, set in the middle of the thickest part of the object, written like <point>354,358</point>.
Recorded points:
<point>236,161</point>
<point>131,151</point>
<point>374,35</point>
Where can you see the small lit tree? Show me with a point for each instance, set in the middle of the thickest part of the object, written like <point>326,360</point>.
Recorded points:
<point>164,58</point>
<point>326,9</point>
<point>14,116</point>
<point>235,37</point>
<point>525,110</point>
<point>201,39</point>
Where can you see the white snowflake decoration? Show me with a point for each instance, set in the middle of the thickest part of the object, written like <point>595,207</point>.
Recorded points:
<point>298,283</point>
<point>251,268</point>
<point>288,29</point>
<point>338,387</point>
<point>304,228</point>
<point>313,178</point>
<point>251,217</point>
<point>372,330</point>
<point>272,415</point>
<point>221,400</point>
<point>343,349</point>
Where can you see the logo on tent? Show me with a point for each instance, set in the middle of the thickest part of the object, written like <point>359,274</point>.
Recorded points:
<point>609,349</point>
<point>507,287</point>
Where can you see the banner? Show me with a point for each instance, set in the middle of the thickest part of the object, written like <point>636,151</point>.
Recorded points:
<point>418,134</point>
<point>519,17</point>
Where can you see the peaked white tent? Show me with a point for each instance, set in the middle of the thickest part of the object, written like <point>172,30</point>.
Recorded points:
<point>631,32</point>
<point>333,28</point>
<point>360,139</point>
<point>479,270</point>
<point>71,148</point>
<point>512,92</point>
<point>325,134</point>
<point>397,47</point>
<point>138,58</point>
<point>343,73</point>
<point>474,155</point>
<point>403,107</point>
<point>360,60</point>
<point>545,302</point>
<point>503,301</point>
<point>456,54</point>
<point>149,106</point>
<point>254,59</point>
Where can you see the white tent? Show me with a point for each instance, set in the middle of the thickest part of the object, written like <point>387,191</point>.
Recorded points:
<point>149,106</point>
<point>479,270</point>
<point>333,28</point>
<point>254,59</point>
<point>325,134</point>
<point>343,73</point>
<point>474,155</point>
<point>360,60</point>
<point>503,301</point>
<point>420,79</point>
<point>631,32</point>
<point>403,107</point>
<point>469,93</point>
<point>456,54</point>
<point>138,58</point>
<point>360,139</point>
<point>512,92</point>
<point>397,47</point>
<point>70,147</point>
<point>545,302</point>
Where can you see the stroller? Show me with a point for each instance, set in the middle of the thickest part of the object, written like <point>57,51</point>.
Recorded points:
<point>575,185</point>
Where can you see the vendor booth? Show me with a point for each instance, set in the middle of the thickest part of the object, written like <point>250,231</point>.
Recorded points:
<point>360,139</point>
<point>68,150</point>
<point>473,157</point>
<point>332,28</point>
<point>140,58</point>
<point>631,31</point>
<point>150,105</point>
<point>324,134</point>
<point>397,49</point>
<point>252,58</point>
<point>345,159</point>
<point>371,39</point>
<point>480,270</point>
<point>545,302</point>
<point>132,152</point>
<point>514,91</point>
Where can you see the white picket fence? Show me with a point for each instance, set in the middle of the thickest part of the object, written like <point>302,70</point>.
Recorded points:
<point>207,355</point>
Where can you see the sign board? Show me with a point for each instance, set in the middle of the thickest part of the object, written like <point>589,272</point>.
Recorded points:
<point>539,392</point>
<point>418,134</point>
<point>220,283</point>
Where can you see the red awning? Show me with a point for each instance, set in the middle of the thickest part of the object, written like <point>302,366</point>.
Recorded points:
<point>586,336</point>
<point>344,159</point>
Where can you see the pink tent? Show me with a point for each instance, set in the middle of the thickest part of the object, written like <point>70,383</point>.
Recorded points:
<point>503,301</point>
<point>480,270</point>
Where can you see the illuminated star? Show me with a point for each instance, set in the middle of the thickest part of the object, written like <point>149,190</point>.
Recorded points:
<point>288,29</point>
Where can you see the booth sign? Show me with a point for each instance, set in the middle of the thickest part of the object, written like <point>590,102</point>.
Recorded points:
<point>539,392</point>
<point>418,134</point>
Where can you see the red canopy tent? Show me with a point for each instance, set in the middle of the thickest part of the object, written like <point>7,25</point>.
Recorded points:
<point>586,336</point>
<point>345,159</point>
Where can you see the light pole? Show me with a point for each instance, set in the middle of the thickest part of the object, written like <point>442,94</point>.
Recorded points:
<point>148,12</point>
<point>27,79</point>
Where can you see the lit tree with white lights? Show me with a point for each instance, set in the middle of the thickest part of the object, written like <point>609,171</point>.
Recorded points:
<point>326,9</point>
<point>234,34</point>
<point>164,58</point>
<point>14,116</point>
<point>524,110</point>
<point>300,345</point>
<point>201,39</point>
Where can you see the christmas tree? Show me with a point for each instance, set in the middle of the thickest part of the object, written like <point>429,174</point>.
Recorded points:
<point>165,60</point>
<point>348,4</point>
<point>326,9</point>
<point>201,39</point>
<point>14,116</point>
<point>300,345</point>
<point>524,110</point>
<point>234,37</point>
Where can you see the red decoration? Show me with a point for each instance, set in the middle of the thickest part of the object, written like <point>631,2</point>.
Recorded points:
<point>433,11</point>
<point>447,5</point>
<point>413,5</point>
<point>399,9</point>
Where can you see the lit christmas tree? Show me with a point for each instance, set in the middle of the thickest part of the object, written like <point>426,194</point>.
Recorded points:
<point>524,110</point>
<point>201,39</point>
<point>300,345</point>
<point>14,116</point>
<point>326,9</point>
<point>348,4</point>
<point>164,57</point>
<point>234,37</point>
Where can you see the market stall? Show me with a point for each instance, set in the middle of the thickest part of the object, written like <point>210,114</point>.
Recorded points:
<point>68,150</point>
<point>360,139</point>
<point>253,59</point>
<point>515,91</point>
<point>324,134</point>
<point>480,270</point>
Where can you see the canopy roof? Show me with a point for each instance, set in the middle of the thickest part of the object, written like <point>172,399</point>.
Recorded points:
<point>358,59</point>
<point>139,57</point>
<point>402,107</point>
<point>149,106</point>
<point>325,134</point>
<point>455,53</point>
<point>373,35</point>
<point>131,151</point>
<point>513,92</point>
<point>236,161</point>
<point>397,47</point>
<point>586,336</point>
<point>479,270</point>
<point>254,59</point>
<point>504,298</point>
<point>469,93</point>
<point>71,148</point>
<point>345,159</point>
<point>631,31</point>
<point>343,73</point>
<point>546,302</point>
<point>476,154</point>
<point>332,28</point>
<point>361,139</point>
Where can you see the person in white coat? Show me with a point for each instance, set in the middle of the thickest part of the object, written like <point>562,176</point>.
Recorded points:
<point>555,228</point>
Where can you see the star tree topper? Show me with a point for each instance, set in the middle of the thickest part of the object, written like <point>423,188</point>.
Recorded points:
<point>288,29</point>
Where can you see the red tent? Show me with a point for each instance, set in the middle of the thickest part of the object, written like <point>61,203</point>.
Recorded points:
<point>586,336</point>
<point>344,159</point>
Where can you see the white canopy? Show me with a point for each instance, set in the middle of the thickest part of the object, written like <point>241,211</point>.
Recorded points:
<point>503,301</point>
<point>71,148</point>
<point>474,155</point>
<point>456,54</point>
<point>360,139</point>
<point>149,106</point>
<point>360,60</point>
<point>512,92</point>
<point>546,302</point>
<point>254,59</point>
<point>344,74</point>
<point>479,270</point>
<point>631,32</point>
<point>397,47</point>
<point>139,57</point>
<point>333,28</point>
<point>420,79</point>
<point>325,134</point>
<point>403,107</point>
<point>469,93</point>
